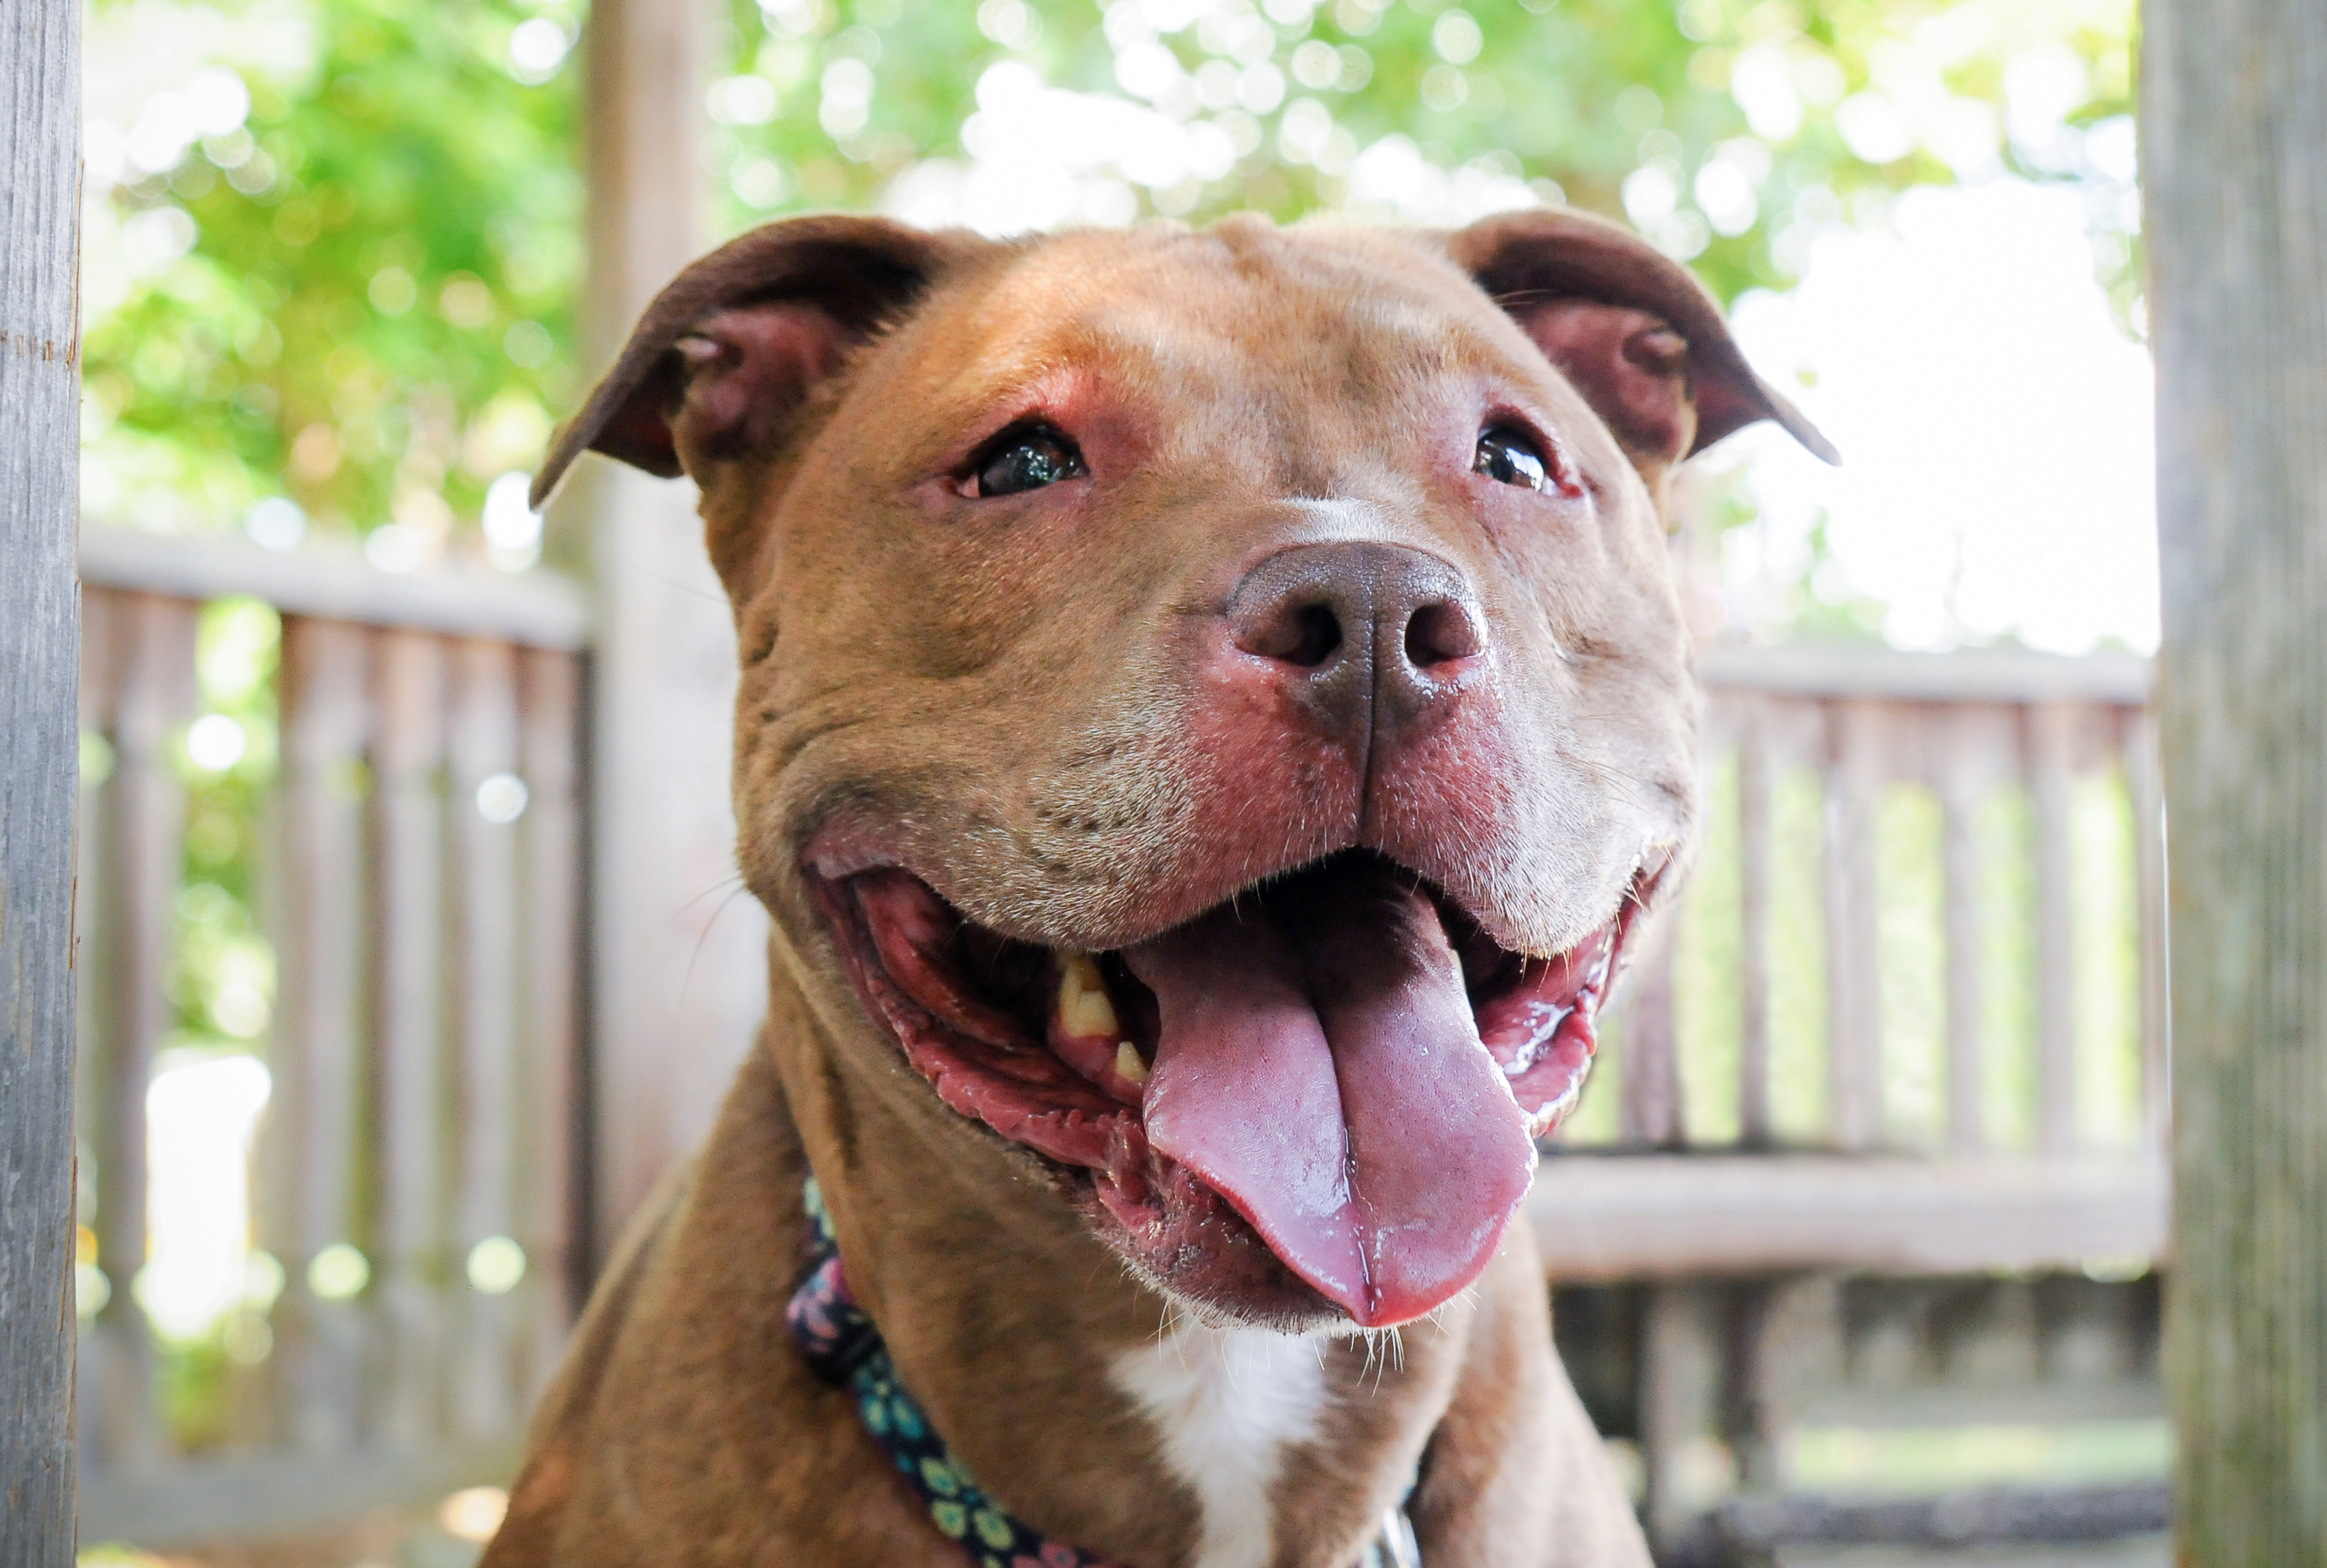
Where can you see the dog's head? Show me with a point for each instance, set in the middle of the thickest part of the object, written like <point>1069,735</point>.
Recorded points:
<point>1212,702</point>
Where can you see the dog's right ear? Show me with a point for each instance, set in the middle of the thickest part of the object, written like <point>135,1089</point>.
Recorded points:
<point>732,347</point>
<point>1635,332</point>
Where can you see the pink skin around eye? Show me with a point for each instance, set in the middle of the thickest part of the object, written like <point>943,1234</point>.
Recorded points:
<point>1558,467</point>
<point>1069,401</point>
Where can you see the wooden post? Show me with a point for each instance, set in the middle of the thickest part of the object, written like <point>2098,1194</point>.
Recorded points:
<point>677,965</point>
<point>40,658</point>
<point>2236,160</point>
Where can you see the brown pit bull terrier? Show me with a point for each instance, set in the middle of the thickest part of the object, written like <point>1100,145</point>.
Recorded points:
<point>1212,705</point>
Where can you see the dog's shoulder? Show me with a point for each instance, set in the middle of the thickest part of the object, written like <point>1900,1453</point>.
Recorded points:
<point>684,1427</point>
<point>1517,1472</point>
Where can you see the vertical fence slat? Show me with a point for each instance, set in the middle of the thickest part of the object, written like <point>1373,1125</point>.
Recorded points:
<point>408,755</point>
<point>316,1130</point>
<point>153,699</point>
<point>96,979</point>
<point>1854,1001</point>
<point>1753,1123</point>
<point>551,697</point>
<point>1679,1395</point>
<point>1960,873</point>
<point>482,752</point>
<point>2051,735</point>
<point>2148,802</point>
<point>1649,1106</point>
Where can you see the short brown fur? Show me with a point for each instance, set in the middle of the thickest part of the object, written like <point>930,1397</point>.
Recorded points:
<point>1005,709</point>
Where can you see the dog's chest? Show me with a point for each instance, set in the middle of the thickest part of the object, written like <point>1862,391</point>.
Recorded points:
<point>1227,1404</point>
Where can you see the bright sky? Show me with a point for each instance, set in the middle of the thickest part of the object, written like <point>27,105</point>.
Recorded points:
<point>1993,419</point>
<point>201,1114</point>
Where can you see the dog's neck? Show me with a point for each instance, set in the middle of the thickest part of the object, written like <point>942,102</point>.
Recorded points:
<point>1088,1404</point>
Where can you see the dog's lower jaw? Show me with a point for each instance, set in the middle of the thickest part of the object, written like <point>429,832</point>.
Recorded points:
<point>1313,1104</point>
<point>1014,1325</point>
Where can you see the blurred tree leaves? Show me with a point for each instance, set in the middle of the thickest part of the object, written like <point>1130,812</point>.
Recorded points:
<point>372,315</point>
<point>335,243</point>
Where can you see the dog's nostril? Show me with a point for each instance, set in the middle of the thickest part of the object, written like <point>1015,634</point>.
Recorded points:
<point>1303,635</point>
<point>1439,634</point>
<point>1317,633</point>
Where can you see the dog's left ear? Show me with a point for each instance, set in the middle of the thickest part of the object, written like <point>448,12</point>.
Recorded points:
<point>1634,331</point>
<point>730,349</point>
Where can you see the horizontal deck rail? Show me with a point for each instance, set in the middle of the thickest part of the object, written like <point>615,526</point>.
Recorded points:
<point>1602,1218</point>
<point>535,611</point>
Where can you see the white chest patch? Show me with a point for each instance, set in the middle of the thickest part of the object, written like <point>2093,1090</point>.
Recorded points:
<point>1227,1403</point>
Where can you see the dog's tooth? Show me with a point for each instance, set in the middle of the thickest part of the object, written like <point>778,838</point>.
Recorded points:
<point>1129,1066</point>
<point>1084,1009</point>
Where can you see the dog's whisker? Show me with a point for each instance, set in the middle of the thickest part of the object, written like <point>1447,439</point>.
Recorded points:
<point>689,589</point>
<point>702,937</point>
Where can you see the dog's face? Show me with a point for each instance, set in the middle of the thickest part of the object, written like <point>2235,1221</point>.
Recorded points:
<point>1213,703</point>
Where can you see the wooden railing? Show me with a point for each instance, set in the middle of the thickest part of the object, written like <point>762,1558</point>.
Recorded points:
<point>1763,1148</point>
<point>1971,773</point>
<point>415,1178</point>
<point>1764,1228</point>
<point>1963,729</point>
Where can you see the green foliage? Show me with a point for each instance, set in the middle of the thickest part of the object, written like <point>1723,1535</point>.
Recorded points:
<point>222,989</point>
<point>360,293</point>
<point>373,316</point>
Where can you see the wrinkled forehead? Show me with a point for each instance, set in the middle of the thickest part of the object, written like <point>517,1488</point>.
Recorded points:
<point>1238,315</point>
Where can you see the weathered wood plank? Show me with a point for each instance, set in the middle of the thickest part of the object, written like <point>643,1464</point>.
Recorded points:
<point>481,755</point>
<point>40,445</point>
<point>2051,742</point>
<point>2235,159</point>
<point>1836,672</point>
<point>97,972</point>
<point>408,922</point>
<point>539,609</point>
<point>314,1135</point>
<point>1753,781</point>
<point>1959,876</point>
<point>1648,1108</point>
<point>1679,1395</point>
<point>1853,1022</point>
<point>551,867</point>
<point>2147,793</point>
<point>1634,1217</point>
<point>239,1496</point>
<point>146,834</point>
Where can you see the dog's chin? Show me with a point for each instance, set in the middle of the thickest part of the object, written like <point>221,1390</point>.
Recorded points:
<point>1312,1108</point>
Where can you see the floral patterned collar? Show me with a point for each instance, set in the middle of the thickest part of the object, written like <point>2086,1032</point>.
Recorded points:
<point>843,1347</point>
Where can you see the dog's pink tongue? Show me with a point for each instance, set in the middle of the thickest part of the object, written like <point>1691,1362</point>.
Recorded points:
<point>1319,1066</point>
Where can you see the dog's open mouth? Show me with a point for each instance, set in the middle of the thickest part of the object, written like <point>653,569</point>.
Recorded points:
<point>1336,1073</point>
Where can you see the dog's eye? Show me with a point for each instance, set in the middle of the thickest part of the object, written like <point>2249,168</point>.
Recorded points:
<point>1508,457</point>
<point>1024,459</point>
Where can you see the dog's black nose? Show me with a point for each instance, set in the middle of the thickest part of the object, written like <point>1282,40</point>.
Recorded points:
<point>1368,634</point>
